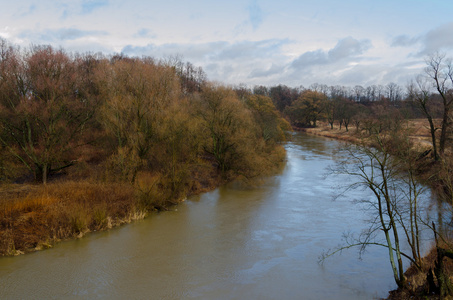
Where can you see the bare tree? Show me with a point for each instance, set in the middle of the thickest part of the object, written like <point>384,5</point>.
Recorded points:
<point>422,94</point>
<point>394,205</point>
<point>393,91</point>
<point>440,72</point>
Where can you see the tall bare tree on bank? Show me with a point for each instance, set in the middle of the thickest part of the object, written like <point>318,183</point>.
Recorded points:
<point>420,92</point>
<point>440,73</point>
<point>393,205</point>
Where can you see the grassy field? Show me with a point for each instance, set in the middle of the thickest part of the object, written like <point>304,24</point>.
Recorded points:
<point>418,132</point>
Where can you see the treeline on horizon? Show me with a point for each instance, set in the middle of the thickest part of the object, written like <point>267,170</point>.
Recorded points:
<point>368,108</point>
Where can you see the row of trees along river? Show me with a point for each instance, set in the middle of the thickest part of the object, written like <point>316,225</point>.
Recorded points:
<point>150,132</point>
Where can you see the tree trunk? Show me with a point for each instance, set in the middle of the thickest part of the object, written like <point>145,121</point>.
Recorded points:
<point>443,281</point>
<point>433,136</point>
<point>392,258</point>
<point>444,129</point>
<point>42,172</point>
<point>444,286</point>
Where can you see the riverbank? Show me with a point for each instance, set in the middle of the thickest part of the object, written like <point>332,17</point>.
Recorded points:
<point>418,133</point>
<point>35,217</point>
<point>435,175</point>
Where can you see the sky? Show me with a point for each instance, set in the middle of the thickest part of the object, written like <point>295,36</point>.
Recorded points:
<point>254,42</point>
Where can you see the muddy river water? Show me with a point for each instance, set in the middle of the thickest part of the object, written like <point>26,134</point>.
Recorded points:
<point>231,243</point>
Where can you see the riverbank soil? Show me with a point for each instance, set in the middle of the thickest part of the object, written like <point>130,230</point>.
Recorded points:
<point>418,286</point>
<point>439,175</point>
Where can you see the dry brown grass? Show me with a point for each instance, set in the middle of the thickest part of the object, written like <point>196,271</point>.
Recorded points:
<point>33,216</point>
<point>417,130</point>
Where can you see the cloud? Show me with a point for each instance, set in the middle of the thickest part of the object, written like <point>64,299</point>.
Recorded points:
<point>437,39</point>
<point>249,50</point>
<point>345,50</point>
<point>61,34</point>
<point>255,14</point>
<point>404,41</point>
<point>271,71</point>
<point>348,47</point>
<point>311,58</point>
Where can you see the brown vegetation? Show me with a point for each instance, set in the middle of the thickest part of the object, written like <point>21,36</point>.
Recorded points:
<point>89,142</point>
<point>37,216</point>
<point>33,217</point>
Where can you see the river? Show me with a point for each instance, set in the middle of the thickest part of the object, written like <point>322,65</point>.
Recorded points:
<point>231,243</point>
